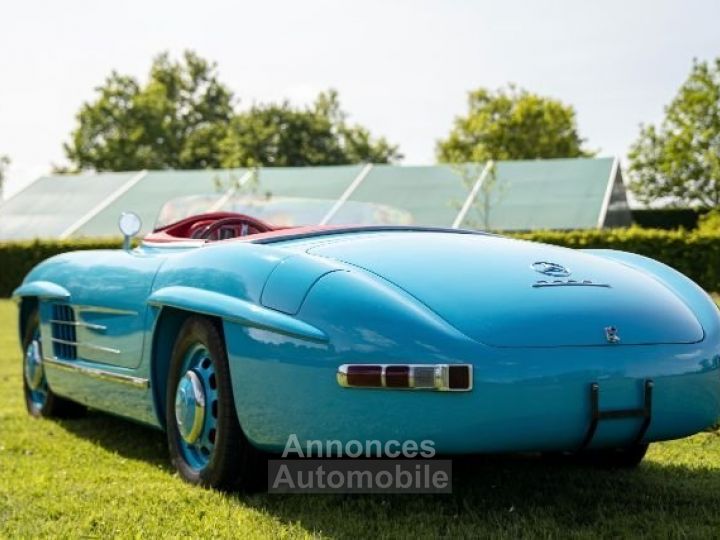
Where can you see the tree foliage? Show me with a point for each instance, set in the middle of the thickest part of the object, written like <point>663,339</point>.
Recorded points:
<point>512,123</point>
<point>185,118</point>
<point>173,121</point>
<point>281,135</point>
<point>710,222</point>
<point>679,161</point>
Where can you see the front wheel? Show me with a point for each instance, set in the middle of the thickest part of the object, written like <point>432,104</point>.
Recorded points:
<point>40,400</point>
<point>206,443</point>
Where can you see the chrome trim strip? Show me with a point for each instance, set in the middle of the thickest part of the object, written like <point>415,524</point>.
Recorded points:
<point>96,373</point>
<point>105,310</point>
<point>441,377</point>
<point>86,345</point>
<point>585,283</point>
<point>342,376</point>
<point>83,324</point>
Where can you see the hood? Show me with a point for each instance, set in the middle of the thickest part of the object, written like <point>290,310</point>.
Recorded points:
<point>512,293</point>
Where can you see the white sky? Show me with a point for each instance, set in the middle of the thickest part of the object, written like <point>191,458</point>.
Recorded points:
<point>402,68</point>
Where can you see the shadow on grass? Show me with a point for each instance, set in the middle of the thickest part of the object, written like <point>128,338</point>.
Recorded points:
<point>491,494</point>
<point>520,496</point>
<point>124,437</point>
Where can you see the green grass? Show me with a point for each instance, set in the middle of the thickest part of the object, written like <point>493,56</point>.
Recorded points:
<point>100,476</point>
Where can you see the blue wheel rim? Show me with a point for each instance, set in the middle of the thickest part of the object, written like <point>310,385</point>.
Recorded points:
<point>34,373</point>
<point>198,454</point>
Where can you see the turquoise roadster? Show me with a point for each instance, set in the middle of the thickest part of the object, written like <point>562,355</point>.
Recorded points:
<point>233,336</point>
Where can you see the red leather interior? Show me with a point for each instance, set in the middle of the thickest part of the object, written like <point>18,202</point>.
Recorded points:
<point>225,224</point>
<point>229,225</point>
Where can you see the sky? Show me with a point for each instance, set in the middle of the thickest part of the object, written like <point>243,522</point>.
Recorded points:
<point>402,68</point>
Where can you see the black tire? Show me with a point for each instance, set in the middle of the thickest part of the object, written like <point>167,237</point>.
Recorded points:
<point>54,406</point>
<point>234,464</point>
<point>615,458</point>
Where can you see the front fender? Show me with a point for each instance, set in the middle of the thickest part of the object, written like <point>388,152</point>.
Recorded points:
<point>45,290</point>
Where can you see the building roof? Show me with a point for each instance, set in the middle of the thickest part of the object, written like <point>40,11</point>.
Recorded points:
<point>578,193</point>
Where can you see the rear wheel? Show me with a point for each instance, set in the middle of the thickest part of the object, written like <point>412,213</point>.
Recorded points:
<point>206,444</point>
<point>616,458</point>
<point>39,398</point>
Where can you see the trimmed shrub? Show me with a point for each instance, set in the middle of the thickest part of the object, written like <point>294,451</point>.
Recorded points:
<point>694,253</point>
<point>18,258</point>
<point>667,218</point>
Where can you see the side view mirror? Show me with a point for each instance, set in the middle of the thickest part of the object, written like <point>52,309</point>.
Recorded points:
<point>129,225</point>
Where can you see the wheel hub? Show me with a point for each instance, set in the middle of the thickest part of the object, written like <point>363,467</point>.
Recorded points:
<point>190,407</point>
<point>33,365</point>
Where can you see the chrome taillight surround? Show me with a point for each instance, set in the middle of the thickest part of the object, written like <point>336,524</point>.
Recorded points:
<point>437,377</point>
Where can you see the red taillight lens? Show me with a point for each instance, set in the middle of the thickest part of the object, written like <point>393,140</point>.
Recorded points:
<point>364,375</point>
<point>458,377</point>
<point>397,376</point>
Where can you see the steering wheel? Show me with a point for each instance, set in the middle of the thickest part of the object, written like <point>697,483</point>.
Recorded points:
<point>211,229</point>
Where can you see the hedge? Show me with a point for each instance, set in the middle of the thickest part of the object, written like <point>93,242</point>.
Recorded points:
<point>18,258</point>
<point>668,218</point>
<point>695,254</point>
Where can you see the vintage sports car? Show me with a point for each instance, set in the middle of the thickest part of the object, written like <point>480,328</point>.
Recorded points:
<point>231,336</point>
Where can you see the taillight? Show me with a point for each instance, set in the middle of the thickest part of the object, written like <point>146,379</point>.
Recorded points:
<point>441,377</point>
<point>368,376</point>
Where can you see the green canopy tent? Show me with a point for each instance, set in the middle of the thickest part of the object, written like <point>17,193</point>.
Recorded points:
<point>581,193</point>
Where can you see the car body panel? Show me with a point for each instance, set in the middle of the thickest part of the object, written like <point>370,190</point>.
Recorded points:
<point>289,282</point>
<point>529,399</point>
<point>484,286</point>
<point>45,290</point>
<point>109,291</point>
<point>232,309</point>
<point>295,308</point>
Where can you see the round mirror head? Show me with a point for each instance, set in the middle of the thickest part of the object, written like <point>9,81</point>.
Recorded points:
<point>129,224</point>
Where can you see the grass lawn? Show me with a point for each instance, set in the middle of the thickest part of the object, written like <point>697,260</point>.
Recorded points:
<point>101,476</point>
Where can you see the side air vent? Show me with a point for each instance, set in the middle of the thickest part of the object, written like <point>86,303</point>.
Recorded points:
<point>64,338</point>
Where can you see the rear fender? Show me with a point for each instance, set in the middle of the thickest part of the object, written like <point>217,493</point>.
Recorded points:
<point>232,309</point>
<point>687,290</point>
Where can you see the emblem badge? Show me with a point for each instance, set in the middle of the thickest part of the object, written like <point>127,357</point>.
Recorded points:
<point>550,269</point>
<point>611,334</point>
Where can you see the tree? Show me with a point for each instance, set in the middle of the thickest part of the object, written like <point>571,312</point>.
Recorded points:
<point>490,193</point>
<point>512,123</point>
<point>280,135</point>
<point>174,121</point>
<point>679,161</point>
<point>184,118</point>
